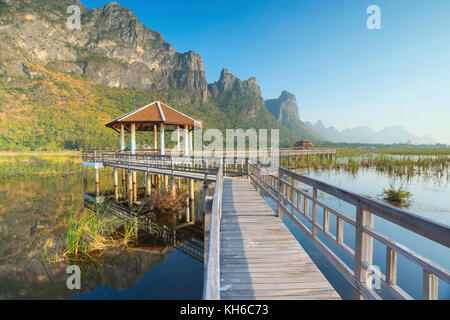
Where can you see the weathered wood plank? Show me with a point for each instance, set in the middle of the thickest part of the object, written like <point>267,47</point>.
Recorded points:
<point>260,258</point>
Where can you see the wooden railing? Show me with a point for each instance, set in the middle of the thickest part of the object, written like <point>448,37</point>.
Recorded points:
<point>281,186</point>
<point>211,289</point>
<point>206,166</point>
<point>95,155</point>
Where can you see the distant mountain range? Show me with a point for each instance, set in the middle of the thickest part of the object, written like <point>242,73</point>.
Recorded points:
<point>364,134</point>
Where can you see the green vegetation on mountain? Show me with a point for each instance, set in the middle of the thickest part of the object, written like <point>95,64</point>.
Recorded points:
<point>58,87</point>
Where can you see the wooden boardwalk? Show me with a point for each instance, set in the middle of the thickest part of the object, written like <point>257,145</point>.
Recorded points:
<point>259,257</point>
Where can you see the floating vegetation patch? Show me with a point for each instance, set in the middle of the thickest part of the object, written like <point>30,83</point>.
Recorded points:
<point>398,196</point>
<point>90,233</point>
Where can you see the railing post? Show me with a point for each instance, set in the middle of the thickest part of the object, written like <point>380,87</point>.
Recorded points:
<point>280,195</point>
<point>363,248</point>
<point>391,266</point>
<point>314,214</point>
<point>326,220</point>
<point>429,286</point>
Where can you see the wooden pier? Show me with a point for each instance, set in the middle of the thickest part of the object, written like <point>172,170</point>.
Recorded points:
<point>250,253</point>
<point>259,257</point>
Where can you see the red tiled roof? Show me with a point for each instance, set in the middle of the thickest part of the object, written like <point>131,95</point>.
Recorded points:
<point>154,113</point>
<point>304,143</point>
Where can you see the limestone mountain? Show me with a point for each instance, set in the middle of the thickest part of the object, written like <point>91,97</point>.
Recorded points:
<point>286,111</point>
<point>112,48</point>
<point>243,103</point>
<point>59,86</point>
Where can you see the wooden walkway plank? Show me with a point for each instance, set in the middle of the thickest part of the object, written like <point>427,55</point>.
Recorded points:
<point>259,257</point>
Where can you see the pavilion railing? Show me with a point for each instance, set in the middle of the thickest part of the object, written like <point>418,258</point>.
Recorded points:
<point>169,164</point>
<point>281,185</point>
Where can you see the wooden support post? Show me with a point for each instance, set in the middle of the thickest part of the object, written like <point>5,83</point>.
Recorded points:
<point>429,286</point>
<point>97,183</point>
<point>135,189</point>
<point>191,189</point>
<point>130,188</point>
<point>148,184</point>
<point>166,182</point>
<point>116,184</point>
<point>173,188</point>
<point>124,182</point>
<point>84,179</point>
<point>363,248</point>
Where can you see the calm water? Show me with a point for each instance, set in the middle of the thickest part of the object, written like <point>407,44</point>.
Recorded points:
<point>431,199</point>
<point>32,213</point>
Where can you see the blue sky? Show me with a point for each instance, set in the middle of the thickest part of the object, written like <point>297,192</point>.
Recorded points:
<point>321,50</point>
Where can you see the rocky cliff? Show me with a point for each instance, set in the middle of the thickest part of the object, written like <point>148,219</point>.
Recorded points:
<point>112,48</point>
<point>286,111</point>
<point>59,86</point>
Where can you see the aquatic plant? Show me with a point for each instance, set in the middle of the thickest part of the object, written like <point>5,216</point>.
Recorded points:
<point>397,195</point>
<point>166,203</point>
<point>91,232</point>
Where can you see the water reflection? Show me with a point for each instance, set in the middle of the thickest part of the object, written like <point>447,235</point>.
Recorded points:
<point>32,216</point>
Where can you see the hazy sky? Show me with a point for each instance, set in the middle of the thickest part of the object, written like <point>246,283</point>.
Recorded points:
<point>322,51</point>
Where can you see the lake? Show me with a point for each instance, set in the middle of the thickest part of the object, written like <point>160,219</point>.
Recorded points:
<point>32,213</point>
<point>431,199</point>
<point>33,210</point>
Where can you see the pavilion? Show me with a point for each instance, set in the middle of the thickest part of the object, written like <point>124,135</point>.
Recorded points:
<point>157,117</point>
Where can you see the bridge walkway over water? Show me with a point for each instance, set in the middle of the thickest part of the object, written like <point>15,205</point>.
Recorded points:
<point>259,257</point>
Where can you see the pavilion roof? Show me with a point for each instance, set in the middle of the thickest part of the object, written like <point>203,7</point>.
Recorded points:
<point>154,113</point>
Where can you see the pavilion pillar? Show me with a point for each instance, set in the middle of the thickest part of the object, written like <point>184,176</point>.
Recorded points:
<point>155,137</point>
<point>122,137</point>
<point>178,140</point>
<point>162,139</point>
<point>191,152</point>
<point>133,138</point>
<point>133,151</point>
<point>186,141</point>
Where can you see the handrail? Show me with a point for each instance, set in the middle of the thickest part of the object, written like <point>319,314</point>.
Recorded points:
<point>285,193</point>
<point>206,166</point>
<point>211,288</point>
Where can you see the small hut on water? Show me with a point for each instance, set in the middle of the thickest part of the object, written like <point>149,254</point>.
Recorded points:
<point>304,144</point>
